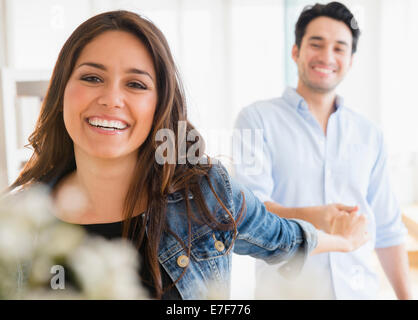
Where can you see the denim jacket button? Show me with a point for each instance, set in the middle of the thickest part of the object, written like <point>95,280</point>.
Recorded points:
<point>182,261</point>
<point>219,246</point>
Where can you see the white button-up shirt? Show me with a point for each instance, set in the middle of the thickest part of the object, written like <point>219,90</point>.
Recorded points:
<point>301,166</point>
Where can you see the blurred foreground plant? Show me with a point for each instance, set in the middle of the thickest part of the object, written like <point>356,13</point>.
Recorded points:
<point>44,258</point>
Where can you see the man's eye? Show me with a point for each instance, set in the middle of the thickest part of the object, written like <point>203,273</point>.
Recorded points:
<point>136,85</point>
<point>315,45</point>
<point>92,79</point>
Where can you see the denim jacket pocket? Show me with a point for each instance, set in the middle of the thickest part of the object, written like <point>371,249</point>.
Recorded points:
<point>211,245</point>
<point>206,244</point>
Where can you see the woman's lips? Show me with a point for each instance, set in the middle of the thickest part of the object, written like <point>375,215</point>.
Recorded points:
<point>95,126</point>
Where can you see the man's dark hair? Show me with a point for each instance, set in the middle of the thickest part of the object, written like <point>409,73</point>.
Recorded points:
<point>334,10</point>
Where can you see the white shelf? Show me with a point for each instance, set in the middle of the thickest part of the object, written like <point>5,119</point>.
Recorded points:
<point>15,84</point>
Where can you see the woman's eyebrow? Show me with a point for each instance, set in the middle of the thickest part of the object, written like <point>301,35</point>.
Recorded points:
<point>102,67</point>
<point>92,64</point>
<point>139,71</point>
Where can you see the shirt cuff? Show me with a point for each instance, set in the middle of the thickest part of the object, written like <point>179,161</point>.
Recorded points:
<point>292,267</point>
<point>392,241</point>
<point>262,197</point>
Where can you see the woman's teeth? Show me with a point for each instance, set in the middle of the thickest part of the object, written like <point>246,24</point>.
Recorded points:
<point>107,124</point>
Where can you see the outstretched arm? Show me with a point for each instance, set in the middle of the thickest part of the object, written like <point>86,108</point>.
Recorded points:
<point>320,216</point>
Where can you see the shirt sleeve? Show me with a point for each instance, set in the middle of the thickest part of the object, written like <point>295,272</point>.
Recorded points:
<point>390,231</point>
<point>251,156</point>
<point>264,235</point>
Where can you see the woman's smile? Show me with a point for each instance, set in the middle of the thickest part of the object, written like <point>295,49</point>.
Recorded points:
<point>110,99</point>
<point>107,126</point>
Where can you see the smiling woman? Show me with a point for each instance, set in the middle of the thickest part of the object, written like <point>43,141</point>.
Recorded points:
<point>110,99</point>
<point>114,87</point>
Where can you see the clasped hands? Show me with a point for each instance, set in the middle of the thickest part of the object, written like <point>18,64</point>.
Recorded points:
<point>342,221</point>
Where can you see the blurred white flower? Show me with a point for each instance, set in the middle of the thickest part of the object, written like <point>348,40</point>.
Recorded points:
<point>34,205</point>
<point>15,239</point>
<point>71,201</point>
<point>107,269</point>
<point>32,235</point>
<point>40,272</point>
<point>59,240</point>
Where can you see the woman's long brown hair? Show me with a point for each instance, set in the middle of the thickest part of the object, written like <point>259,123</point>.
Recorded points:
<point>54,153</point>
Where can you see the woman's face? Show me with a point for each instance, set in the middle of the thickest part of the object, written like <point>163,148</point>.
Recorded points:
<point>111,96</point>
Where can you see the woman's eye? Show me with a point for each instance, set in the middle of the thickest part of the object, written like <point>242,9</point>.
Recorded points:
<point>92,79</point>
<point>136,85</point>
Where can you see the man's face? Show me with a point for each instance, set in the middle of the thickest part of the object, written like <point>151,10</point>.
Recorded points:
<point>324,56</point>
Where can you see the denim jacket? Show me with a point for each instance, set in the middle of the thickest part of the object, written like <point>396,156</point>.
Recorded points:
<point>260,234</point>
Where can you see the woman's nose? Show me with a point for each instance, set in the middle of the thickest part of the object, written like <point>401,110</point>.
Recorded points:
<point>112,96</point>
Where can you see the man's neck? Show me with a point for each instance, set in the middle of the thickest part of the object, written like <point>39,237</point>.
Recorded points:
<point>321,104</point>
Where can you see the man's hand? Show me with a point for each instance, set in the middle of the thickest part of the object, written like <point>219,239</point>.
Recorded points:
<point>344,230</point>
<point>348,232</point>
<point>352,228</point>
<point>323,216</point>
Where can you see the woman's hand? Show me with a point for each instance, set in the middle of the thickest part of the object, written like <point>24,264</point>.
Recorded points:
<point>348,232</point>
<point>352,227</point>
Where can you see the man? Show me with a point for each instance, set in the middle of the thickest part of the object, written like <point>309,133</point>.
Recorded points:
<point>316,155</point>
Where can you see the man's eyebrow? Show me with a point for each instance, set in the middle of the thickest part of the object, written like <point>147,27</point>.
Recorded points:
<point>342,42</point>
<point>319,38</point>
<point>316,38</point>
<point>102,67</point>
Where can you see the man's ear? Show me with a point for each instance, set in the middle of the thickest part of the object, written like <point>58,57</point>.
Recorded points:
<point>351,60</point>
<point>295,52</point>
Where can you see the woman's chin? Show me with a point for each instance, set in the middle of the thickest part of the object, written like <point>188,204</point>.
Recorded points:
<point>107,154</point>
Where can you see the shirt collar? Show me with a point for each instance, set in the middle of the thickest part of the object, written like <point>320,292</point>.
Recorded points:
<point>291,96</point>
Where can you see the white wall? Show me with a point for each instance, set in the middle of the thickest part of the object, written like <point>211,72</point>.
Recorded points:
<point>399,65</point>
<point>233,52</point>
<point>3,50</point>
<point>361,88</point>
<point>36,30</point>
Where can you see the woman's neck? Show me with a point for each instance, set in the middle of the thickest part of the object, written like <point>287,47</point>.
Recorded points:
<point>104,184</point>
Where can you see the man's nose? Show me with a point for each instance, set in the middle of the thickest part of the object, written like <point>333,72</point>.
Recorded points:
<point>112,96</point>
<point>327,55</point>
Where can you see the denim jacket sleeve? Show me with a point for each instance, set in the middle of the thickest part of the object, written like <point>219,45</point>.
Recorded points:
<point>266,236</point>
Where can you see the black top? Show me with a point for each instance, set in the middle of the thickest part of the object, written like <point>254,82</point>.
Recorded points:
<point>114,230</point>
